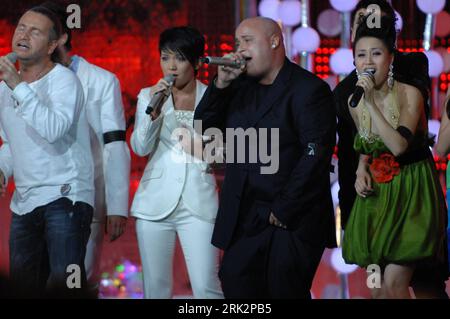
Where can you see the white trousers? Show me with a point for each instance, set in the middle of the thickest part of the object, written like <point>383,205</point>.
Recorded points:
<point>156,241</point>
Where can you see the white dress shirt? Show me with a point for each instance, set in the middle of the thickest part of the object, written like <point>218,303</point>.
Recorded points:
<point>45,137</point>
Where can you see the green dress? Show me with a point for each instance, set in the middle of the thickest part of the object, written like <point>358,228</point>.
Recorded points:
<point>404,221</point>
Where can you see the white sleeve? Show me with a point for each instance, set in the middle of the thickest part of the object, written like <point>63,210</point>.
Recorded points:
<point>116,155</point>
<point>112,114</point>
<point>51,122</point>
<point>6,161</point>
<point>146,131</point>
<point>116,159</point>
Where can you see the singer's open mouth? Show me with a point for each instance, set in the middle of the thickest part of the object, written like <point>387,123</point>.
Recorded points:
<point>21,45</point>
<point>247,59</point>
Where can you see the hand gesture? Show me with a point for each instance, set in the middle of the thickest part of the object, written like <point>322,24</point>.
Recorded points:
<point>8,73</point>
<point>3,184</point>
<point>363,183</point>
<point>367,82</point>
<point>115,226</point>
<point>162,86</point>
<point>226,74</point>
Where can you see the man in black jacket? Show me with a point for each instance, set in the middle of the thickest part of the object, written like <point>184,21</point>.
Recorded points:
<point>272,226</point>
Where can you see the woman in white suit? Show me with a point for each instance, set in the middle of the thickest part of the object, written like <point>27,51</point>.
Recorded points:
<point>176,195</point>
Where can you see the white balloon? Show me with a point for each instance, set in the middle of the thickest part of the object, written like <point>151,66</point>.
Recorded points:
<point>306,39</point>
<point>433,127</point>
<point>398,22</point>
<point>329,23</point>
<point>290,12</point>
<point>431,6</point>
<point>344,5</point>
<point>269,9</point>
<point>341,62</point>
<point>339,264</point>
<point>435,63</point>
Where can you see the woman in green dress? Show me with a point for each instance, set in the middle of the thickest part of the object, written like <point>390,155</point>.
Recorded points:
<point>398,220</point>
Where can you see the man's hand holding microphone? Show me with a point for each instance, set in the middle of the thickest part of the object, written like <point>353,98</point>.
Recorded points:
<point>8,72</point>
<point>227,72</point>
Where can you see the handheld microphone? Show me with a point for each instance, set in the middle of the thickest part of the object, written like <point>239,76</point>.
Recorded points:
<point>223,61</point>
<point>12,57</point>
<point>158,97</point>
<point>359,91</point>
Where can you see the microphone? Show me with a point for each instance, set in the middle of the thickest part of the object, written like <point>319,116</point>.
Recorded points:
<point>158,97</point>
<point>12,57</point>
<point>359,91</point>
<point>223,61</point>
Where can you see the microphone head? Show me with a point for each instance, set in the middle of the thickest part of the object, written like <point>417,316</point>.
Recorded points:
<point>170,78</point>
<point>370,72</point>
<point>223,61</point>
<point>12,57</point>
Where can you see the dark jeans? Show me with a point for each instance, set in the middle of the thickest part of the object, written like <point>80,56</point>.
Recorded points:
<point>47,250</point>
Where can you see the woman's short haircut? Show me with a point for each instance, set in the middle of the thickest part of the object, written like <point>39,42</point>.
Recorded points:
<point>185,40</point>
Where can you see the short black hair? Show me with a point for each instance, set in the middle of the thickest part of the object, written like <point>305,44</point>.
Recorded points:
<point>385,7</point>
<point>56,30</point>
<point>185,40</point>
<point>62,15</point>
<point>384,32</point>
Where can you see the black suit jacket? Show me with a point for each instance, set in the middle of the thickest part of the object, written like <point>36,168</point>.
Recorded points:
<point>300,105</point>
<point>410,68</point>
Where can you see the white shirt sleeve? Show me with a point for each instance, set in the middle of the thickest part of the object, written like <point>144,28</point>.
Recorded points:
<point>6,161</point>
<point>116,155</point>
<point>51,122</point>
<point>146,131</point>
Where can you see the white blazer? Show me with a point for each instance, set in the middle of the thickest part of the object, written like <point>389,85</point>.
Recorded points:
<point>105,113</point>
<point>169,175</point>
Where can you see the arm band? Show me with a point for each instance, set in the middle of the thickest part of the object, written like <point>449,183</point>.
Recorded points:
<point>405,133</point>
<point>113,136</point>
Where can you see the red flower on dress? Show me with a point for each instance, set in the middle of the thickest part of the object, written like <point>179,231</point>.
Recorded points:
<point>384,168</point>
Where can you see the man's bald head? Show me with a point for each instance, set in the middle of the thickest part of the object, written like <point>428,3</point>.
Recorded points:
<point>266,25</point>
<point>260,42</point>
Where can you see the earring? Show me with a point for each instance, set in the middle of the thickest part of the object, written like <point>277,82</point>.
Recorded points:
<point>390,81</point>
<point>273,45</point>
<point>357,74</point>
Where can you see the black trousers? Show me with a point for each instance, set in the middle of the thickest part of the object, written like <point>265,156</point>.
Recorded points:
<point>274,263</point>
